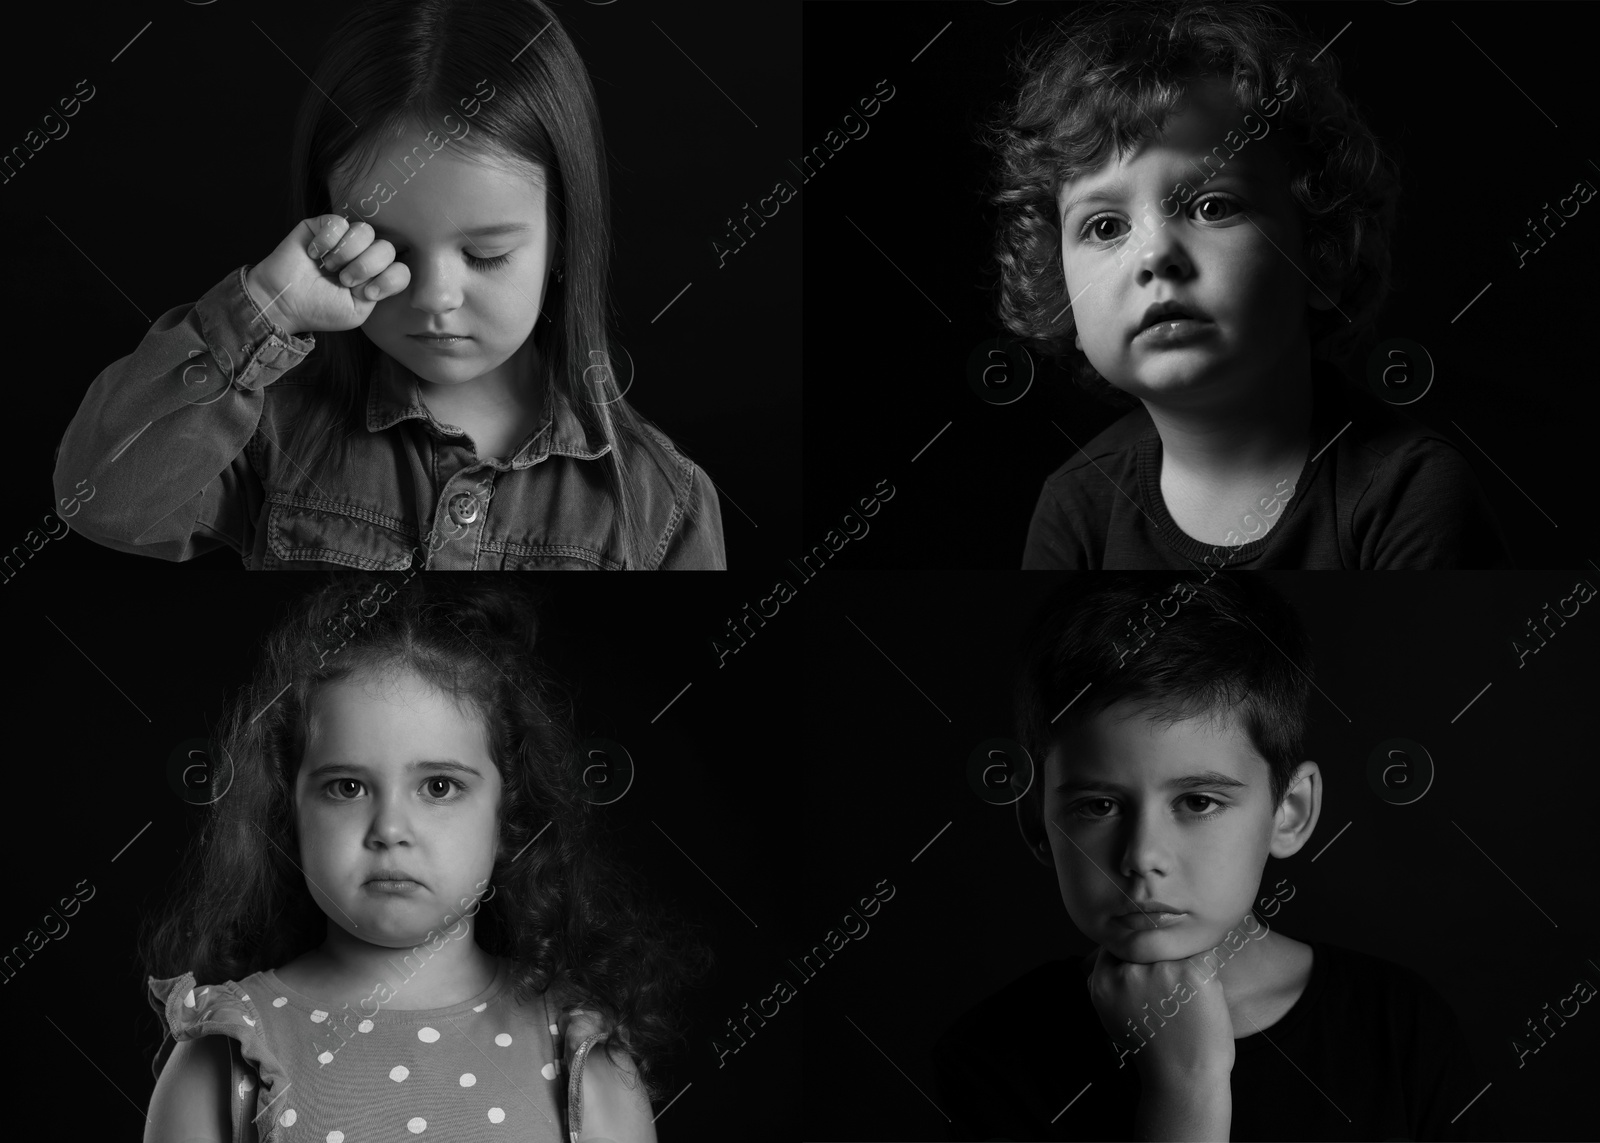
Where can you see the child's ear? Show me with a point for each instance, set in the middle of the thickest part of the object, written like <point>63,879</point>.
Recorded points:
<point>1032,826</point>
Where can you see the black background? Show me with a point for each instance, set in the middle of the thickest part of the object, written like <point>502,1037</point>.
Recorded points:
<point>826,755</point>
<point>1395,657</point>
<point>175,173</point>
<point>112,690</point>
<point>1477,159</point>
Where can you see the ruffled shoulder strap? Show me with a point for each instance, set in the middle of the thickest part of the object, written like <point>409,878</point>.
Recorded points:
<point>225,1009</point>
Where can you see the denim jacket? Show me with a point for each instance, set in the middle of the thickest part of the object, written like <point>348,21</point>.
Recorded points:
<point>177,461</point>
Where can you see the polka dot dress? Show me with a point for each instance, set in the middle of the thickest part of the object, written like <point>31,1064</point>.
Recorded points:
<point>485,1069</point>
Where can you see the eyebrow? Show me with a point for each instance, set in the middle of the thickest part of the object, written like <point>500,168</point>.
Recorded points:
<point>491,230</point>
<point>1212,779</point>
<point>447,765</point>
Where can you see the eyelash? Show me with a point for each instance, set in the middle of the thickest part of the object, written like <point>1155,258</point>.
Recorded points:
<point>484,264</point>
<point>1083,232</point>
<point>1200,817</point>
<point>440,801</point>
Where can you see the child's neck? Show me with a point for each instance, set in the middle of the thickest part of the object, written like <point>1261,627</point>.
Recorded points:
<point>345,970</point>
<point>509,391</point>
<point>1256,432</point>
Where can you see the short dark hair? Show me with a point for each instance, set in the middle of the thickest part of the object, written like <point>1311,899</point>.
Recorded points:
<point>1178,646</point>
<point>1108,77</point>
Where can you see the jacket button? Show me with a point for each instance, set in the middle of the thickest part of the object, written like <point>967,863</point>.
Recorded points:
<point>463,508</point>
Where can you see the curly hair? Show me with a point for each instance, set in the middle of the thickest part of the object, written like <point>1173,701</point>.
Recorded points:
<point>572,919</point>
<point>1108,77</point>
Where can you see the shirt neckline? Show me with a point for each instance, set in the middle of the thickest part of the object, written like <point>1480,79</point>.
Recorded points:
<point>301,1002</point>
<point>1148,462</point>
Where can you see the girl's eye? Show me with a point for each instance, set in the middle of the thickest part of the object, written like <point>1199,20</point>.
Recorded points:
<point>1207,200</point>
<point>447,782</point>
<point>476,263</point>
<point>449,785</point>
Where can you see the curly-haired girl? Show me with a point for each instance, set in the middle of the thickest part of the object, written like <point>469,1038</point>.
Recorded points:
<point>398,918</point>
<point>1259,210</point>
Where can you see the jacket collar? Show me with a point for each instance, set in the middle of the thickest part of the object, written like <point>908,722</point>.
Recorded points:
<point>393,396</point>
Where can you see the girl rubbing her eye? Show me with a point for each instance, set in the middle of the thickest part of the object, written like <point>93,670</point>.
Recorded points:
<point>421,374</point>
<point>398,919</point>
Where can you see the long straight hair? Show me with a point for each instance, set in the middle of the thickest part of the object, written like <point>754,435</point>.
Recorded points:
<point>392,63</point>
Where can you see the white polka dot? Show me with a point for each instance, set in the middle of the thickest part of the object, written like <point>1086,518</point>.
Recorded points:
<point>246,998</point>
<point>188,1001</point>
<point>335,1137</point>
<point>496,1115</point>
<point>503,1039</point>
<point>427,1035</point>
<point>548,1071</point>
<point>288,1117</point>
<point>554,1031</point>
<point>325,1058</point>
<point>468,1079</point>
<point>417,1126</point>
<point>364,1026</point>
<point>318,1016</point>
<point>280,1002</point>
<point>480,1007</point>
<point>399,1072</point>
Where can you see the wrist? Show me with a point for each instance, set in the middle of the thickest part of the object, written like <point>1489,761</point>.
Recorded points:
<point>1162,1077</point>
<point>264,299</point>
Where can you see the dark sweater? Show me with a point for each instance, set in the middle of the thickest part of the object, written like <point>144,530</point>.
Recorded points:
<point>1369,1051</point>
<point>1388,494</point>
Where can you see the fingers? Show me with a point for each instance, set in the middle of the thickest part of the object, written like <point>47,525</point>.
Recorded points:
<point>329,230</point>
<point>392,280</point>
<point>350,250</point>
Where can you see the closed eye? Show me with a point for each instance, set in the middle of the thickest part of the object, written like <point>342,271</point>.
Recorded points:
<point>475,262</point>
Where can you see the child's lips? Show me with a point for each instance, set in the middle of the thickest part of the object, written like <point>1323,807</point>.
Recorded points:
<point>1148,921</point>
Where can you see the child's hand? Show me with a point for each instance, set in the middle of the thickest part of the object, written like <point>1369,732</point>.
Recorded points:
<point>306,296</point>
<point>1195,1041</point>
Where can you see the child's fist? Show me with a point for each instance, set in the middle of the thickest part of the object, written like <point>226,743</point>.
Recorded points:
<point>1189,1032</point>
<point>327,274</point>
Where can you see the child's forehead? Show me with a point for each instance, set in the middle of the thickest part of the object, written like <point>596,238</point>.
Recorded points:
<point>1127,737</point>
<point>1192,147</point>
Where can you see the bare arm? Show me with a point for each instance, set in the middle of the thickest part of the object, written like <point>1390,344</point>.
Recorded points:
<point>1196,1106</point>
<point>190,1101</point>
<point>615,1107</point>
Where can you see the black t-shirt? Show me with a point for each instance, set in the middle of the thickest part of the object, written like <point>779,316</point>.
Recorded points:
<point>1388,494</point>
<point>1369,1051</point>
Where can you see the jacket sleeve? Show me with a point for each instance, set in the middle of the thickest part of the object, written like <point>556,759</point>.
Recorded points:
<point>696,541</point>
<point>154,461</point>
